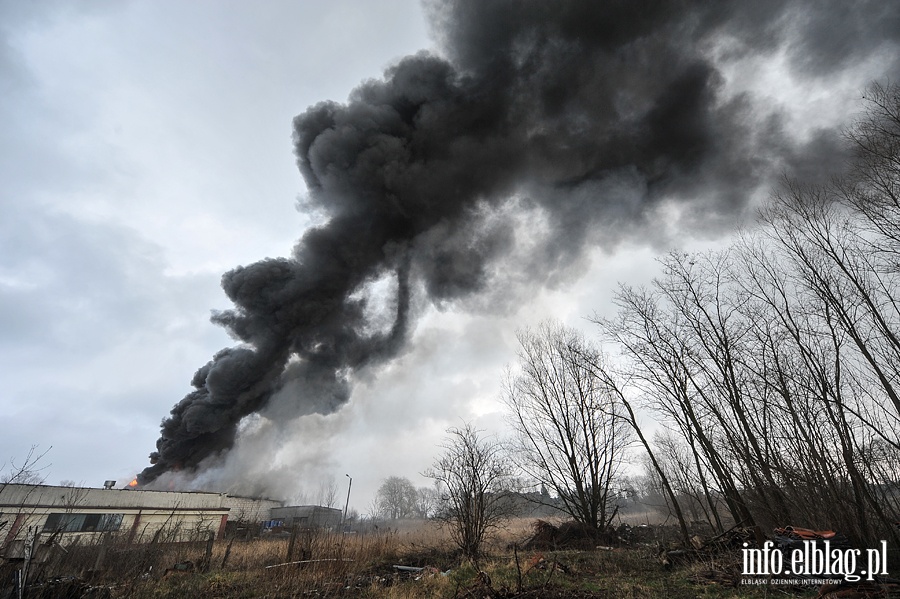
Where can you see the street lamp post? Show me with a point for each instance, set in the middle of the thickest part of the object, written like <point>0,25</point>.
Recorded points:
<point>347,504</point>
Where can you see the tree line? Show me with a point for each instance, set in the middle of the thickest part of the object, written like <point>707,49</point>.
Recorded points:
<point>773,366</point>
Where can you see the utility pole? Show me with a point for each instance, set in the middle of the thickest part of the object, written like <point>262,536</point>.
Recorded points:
<point>347,504</point>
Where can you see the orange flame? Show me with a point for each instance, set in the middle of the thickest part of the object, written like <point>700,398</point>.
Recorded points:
<point>133,483</point>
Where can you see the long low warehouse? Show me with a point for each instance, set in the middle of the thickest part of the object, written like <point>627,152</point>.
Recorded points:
<point>136,515</point>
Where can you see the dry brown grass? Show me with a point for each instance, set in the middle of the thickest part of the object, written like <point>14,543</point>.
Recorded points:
<point>361,565</point>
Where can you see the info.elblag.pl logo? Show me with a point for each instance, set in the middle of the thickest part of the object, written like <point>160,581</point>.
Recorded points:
<point>816,559</point>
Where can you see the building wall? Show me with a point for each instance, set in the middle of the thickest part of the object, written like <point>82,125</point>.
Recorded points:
<point>313,516</point>
<point>14,495</point>
<point>250,509</point>
<point>136,516</point>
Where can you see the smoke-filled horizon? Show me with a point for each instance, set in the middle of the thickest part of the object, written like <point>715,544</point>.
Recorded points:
<point>591,123</point>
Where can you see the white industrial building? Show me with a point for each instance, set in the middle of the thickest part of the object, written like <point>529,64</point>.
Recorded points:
<point>132,515</point>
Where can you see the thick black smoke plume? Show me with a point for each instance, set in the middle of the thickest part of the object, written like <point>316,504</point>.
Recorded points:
<point>544,104</point>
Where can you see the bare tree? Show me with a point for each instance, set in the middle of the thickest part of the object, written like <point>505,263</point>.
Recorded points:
<point>396,498</point>
<point>473,475</point>
<point>775,364</point>
<point>680,338</point>
<point>327,494</point>
<point>570,431</point>
<point>28,471</point>
<point>427,499</point>
<point>658,472</point>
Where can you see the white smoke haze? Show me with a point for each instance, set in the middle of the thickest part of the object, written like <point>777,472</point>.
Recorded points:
<point>285,459</point>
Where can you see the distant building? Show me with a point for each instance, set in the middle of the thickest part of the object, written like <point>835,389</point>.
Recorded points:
<point>305,516</point>
<point>133,515</point>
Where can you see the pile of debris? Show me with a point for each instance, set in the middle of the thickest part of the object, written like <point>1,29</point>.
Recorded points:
<point>728,541</point>
<point>791,537</point>
<point>568,535</point>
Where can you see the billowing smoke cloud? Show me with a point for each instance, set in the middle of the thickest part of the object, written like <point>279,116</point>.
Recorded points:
<point>591,115</point>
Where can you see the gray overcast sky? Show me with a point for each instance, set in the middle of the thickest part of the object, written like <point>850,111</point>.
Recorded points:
<point>147,150</point>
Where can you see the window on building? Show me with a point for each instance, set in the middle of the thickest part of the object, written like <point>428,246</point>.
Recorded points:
<point>82,522</point>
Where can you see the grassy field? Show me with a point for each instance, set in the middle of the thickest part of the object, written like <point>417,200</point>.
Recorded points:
<point>363,565</point>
